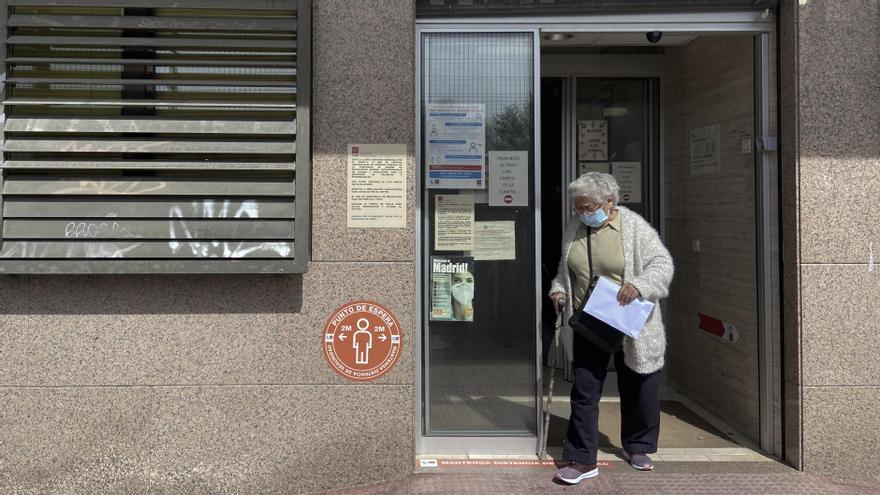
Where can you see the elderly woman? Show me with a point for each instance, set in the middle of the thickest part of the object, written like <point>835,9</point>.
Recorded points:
<point>626,249</point>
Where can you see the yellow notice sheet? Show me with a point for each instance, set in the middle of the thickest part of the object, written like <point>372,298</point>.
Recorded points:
<point>454,222</point>
<point>494,240</point>
<point>376,186</point>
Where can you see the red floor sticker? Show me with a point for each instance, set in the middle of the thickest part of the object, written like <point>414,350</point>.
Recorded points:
<point>494,463</point>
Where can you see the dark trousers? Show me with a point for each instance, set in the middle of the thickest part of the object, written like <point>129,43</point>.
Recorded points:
<point>639,405</point>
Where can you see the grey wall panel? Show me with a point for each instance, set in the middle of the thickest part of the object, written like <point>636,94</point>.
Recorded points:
<point>710,81</point>
<point>158,81</point>
<point>156,4</point>
<point>42,207</point>
<point>148,146</point>
<point>147,249</point>
<point>145,186</point>
<point>146,165</point>
<point>150,22</point>
<point>179,124</point>
<point>87,102</point>
<point>182,229</point>
<point>152,61</point>
<point>117,125</point>
<point>149,42</point>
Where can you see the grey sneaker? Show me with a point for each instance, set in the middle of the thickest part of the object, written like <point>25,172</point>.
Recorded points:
<point>639,461</point>
<point>576,472</point>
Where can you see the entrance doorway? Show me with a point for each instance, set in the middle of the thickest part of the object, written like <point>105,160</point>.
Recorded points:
<point>695,154</point>
<point>675,123</point>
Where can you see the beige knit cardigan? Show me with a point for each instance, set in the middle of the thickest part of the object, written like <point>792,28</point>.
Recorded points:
<point>648,266</point>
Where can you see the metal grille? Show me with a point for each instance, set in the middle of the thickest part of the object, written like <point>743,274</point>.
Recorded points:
<point>155,136</point>
<point>448,8</point>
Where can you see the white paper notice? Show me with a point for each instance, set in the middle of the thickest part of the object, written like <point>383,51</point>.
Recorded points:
<point>377,185</point>
<point>508,178</point>
<point>629,319</point>
<point>629,178</point>
<point>480,197</point>
<point>456,145</point>
<point>592,140</point>
<point>453,222</point>
<point>706,149</point>
<point>584,167</point>
<point>495,240</point>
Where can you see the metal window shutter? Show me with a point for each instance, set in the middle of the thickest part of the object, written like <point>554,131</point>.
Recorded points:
<point>161,136</point>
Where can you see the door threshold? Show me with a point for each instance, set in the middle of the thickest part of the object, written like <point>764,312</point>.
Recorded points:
<point>606,456</point>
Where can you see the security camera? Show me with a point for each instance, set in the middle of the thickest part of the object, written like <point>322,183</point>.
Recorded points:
<point>653,36</point>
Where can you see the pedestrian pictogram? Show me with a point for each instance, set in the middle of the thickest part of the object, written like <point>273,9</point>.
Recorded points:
<point>362,340</point>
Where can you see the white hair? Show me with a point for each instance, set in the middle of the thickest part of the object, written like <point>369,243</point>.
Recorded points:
<point>595,186</point>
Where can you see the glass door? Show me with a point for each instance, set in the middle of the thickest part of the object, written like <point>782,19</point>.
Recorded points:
<point>478,218</point>
<point>617,131</point>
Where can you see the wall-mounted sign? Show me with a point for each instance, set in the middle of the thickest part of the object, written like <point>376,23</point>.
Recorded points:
<point>592,140</point>
<point>376,186</point>
<point>718,328</point>
<point>508,178</point>
<point>494,240</point>
<point>455,138</point>
<point>453,222</point>
<point>452,288</point>
<point>362,340</point>
<point>629,178</point>
<point>705,149</point>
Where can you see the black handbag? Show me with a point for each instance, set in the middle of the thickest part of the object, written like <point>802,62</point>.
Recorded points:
<point>603,335</point>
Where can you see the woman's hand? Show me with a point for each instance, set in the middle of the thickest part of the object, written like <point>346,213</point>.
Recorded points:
<point>627,294</point>
<point>558,300</point>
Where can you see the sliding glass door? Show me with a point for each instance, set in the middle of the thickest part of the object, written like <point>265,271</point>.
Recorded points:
<point>478,218</point>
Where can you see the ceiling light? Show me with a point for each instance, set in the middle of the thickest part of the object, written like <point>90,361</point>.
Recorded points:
<point>558,36</point>
<point>614,111</point>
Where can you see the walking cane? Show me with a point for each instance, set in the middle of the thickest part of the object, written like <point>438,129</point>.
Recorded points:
<point>543,455</point>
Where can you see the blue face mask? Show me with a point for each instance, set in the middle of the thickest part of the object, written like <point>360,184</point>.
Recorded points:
<point>595,219</point>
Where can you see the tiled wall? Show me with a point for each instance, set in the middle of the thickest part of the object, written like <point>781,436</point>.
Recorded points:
<point>709,81</point>
<point>838,54</point>
<point>217,384</point>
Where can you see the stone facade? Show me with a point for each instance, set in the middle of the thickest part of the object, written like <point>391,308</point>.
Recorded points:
<point>216,384</point>
<point>834,47</point>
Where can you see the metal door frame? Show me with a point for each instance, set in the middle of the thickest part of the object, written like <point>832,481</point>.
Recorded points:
<point>524,444</point>
<point>760,23</point>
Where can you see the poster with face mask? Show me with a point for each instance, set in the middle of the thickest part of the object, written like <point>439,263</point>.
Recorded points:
<point>452,288</point>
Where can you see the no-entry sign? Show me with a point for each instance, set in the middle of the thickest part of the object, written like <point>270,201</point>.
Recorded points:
<point>361,340</point>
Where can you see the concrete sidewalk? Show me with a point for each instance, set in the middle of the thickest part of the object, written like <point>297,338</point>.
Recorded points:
<point>617,478</point>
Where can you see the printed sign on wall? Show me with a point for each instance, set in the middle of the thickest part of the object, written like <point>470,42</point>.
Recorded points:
<point>362,340</point>
<point>629,178</point>
<point>592,140</point>
<point>455,137</point>
<point>453,222</point>
<point>376,186</point>
<point>508,178</point>
<point>452,288</point>
<point>705,149</point>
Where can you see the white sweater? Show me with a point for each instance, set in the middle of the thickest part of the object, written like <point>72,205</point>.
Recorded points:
<point>648,266</point>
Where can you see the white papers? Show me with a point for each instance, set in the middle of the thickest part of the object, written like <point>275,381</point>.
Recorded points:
<point>454,222</point>
<point>376,186</point>
<point>494,240</point>
<point>706,149</point>
<point>592,140</point>
<point>508,178</point>
<point>629,319</point>
<point>629,178</point>
<point>456,143</point>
